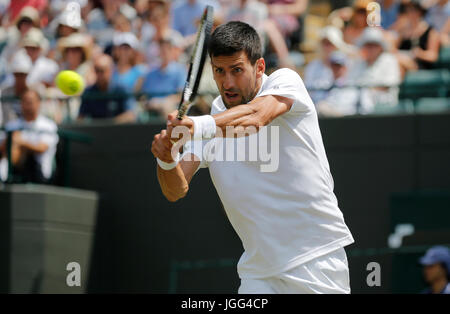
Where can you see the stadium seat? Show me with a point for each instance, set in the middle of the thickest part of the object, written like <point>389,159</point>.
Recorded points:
<point>425,83</point>
<point>432,105</point>
<point>444,58</point>
<point>403,107</point>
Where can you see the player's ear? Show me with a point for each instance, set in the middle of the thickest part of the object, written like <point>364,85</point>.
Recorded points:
<point>260,67</point>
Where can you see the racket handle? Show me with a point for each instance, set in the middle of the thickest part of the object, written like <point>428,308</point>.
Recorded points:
<point>182,111</point>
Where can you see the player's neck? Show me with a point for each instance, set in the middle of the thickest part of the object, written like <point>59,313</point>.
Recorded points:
<point>439,285</point>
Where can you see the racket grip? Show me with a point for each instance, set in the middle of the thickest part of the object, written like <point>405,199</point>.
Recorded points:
<point>182,111</point>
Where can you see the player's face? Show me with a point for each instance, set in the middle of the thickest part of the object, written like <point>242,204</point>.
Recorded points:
<point>237,79</point>
<point>433,272</point>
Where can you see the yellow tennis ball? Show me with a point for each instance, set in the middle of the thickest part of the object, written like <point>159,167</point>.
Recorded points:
<point>69,82</point>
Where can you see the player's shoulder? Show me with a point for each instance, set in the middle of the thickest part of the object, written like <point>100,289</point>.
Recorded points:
<point>284,75</point>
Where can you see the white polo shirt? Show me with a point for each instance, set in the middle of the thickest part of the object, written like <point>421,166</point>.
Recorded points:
<point>287,216</point>
<point>41,130</point>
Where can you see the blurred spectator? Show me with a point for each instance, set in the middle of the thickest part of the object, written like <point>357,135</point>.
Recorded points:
<point>28,18</point>
<point>418,43</point>
<point>34,143</point>
<point>127,71</point>
<point>16,7</point>
<point>358,22</point>
<point>389,12</point>
<point>164,83</point>
<point>187,13</point>
<point>286,14</point>
<point>445,34</point>
<point>44,69</point>
<point>438,14</point>
<point>160,28</point>
<point>318,73</point>
<point>76,55</point>
<point>256,14</point>
<point>20,66</point>
<point>103,99</point>
<point>342,99</point>
<point>377,72</point>
<point>436,270</point>
<point>66,23</point>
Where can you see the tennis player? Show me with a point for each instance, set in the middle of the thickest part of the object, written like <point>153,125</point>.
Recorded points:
<point>288,219</point>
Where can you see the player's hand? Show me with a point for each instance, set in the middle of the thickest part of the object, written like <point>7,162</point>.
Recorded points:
<point>173,122</point>
<point>162,147</point>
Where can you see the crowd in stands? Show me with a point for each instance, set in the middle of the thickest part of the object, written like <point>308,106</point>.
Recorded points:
<point>133,54</point>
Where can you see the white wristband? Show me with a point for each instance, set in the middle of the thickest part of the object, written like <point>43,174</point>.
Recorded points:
<point>204,127</point>
<point>168,166</point>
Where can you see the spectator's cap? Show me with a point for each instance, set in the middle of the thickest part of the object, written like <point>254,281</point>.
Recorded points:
<point>76,40</point>
<point>129,39</point>
<point>33,38</point>
<point>437,254</point>
<point>28,13</point>
<point>334,35</point>
<point>21,63</point>
<point>361,4</point>
<point>338,57</point>
<point>70,18</point>
<point>372,35</point>
<point>174,39</point>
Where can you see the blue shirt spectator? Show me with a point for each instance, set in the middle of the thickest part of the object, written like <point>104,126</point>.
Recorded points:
<point>128,79</point>
<point>165,81</point>
<point>185,15</point>
<point>389,12</point>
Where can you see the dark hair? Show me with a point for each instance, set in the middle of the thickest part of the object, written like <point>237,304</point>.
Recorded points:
<point>417,4</point>
<point>234,37</point>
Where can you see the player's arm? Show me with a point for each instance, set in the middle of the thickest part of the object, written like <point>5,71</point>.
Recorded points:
<point>174,182</point>
<point>243,118</point>
<point>256,114</point>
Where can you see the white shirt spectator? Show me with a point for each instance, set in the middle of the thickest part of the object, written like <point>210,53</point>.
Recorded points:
<point>41,130</point>
<point>44,71</point>
<point>289,216</point>
<point>318,78</point>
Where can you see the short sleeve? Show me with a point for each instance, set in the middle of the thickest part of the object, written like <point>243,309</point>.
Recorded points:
<point>287,83</point>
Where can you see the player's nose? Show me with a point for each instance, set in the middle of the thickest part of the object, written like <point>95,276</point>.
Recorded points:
<point>228,82</point>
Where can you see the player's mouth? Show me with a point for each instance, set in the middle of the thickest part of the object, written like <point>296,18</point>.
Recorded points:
<point>231,96</point>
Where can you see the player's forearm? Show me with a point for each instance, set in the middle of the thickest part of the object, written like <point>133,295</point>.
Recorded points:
<point>252,116</point>
<point>173,183</point>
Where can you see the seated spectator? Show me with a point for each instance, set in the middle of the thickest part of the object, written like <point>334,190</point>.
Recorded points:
<point>10,107</point>
<point>438,14</point>
<point>342,99</point>
<point>44,69</point>
<point>103,99</point>
<point>186,13</point>
<point>76,55</point>
<point>377,72</point>
<point>358,22</point>
<point>286,14</point>
<point>65,24</point>
<point>16,7</point>
<point>318,73</point>
<point>256,14</point>
<point>418,44</point>
<point>164,83</point>
<point>28,18</point>
<point>159,18</point>
<point>389,12</point>
<point>436,270</point>
<point>34,143</point>
<point>126,72</point>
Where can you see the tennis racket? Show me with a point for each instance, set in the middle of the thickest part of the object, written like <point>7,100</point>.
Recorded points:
<point>197,62</point>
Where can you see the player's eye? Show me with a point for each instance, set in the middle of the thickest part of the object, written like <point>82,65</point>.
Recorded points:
<point>219,70</point>
<point>237,70</point>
